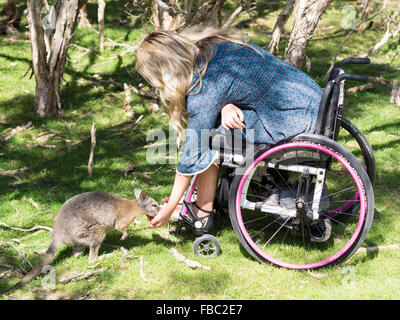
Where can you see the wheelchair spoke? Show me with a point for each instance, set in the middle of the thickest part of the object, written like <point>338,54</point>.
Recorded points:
<point>311,222</point>
<point>277,231</point>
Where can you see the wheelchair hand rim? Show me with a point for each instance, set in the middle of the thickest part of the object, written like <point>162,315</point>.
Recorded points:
<point>316,264</point>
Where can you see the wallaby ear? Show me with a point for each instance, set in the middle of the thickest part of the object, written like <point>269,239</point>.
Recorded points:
<point>140,195</point>
<point>143,196</point>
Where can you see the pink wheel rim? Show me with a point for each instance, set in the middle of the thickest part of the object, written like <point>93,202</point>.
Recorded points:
<point>311,265</point>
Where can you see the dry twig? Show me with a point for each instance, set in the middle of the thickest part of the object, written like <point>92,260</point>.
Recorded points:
<point>127,101</point>
<point>31,201</point>
<point>93,145</point>
<point>36,227</point>
<point>193,264</point>
<point>79,276</point>
<point>18,173</point>
<point>15,131</point>
<point>371,84</point>
<point>33,183</point>
<point>21,254</point>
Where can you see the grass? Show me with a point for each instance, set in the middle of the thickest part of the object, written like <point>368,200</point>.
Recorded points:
<point>234,274</point>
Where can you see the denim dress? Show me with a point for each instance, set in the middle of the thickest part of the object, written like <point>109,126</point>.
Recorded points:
<point>278,101</point>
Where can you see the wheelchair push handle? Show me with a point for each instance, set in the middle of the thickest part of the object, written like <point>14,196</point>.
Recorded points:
<point>346,76</point>
<point>354,61</point>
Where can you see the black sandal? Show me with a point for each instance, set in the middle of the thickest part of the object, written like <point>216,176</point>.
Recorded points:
<point>201,225</point>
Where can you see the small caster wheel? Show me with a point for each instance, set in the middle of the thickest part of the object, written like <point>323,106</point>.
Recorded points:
<point>206,246</point>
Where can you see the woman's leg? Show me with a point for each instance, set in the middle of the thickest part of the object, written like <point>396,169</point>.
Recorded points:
<point>206,189</point>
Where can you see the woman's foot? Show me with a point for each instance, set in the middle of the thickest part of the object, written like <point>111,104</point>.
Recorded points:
<point>198,218</point>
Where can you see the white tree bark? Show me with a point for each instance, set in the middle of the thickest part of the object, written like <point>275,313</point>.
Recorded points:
<point>307,14</point>
<point>100,19</point>
<point>50,37</point>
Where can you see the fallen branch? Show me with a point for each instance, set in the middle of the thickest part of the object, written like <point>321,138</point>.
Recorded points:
<point>192,264</point>
<point>34,183</point>
<point>93,145</point>
<point>22,255</point>
<point>147,174</point>
<point>6,274</point>
<point>149,94</point>
<point>36,227</point>
<point>377,248</point>
<point>15,131</point>
<point>86,51</point>
<point>18,173</point>
<point>44,138</point>
<point>79,276</point>
<point>127,101</point>
<point>126,255</point>
<point>316,275</point>
<point>371,84</point>
<point>19,269</point>
<point>32,202</point>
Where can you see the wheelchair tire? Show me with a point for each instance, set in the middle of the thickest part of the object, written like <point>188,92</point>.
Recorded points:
<point>269,242</point>
<point>365,147</point>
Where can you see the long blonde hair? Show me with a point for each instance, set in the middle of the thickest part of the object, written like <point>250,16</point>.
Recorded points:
<point>167,60</point>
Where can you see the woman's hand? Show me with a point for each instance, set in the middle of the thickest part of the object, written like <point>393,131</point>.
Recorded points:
<point>162,216</point>
<point>170,203</point>
<point>232,117</point>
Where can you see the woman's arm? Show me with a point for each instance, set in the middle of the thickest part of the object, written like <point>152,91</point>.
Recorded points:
<point>180,184</point>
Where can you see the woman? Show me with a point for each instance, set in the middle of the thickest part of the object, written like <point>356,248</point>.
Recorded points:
<point>211,79</point>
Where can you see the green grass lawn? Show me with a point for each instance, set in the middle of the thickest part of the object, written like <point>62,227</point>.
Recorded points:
<point>120,142</point>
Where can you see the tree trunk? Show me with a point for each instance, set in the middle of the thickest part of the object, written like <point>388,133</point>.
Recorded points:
<point>50,37</point>
<point>100,18</point>
<point>206,13</point>
<point>164,15</point>
<point>279,26</point>
<point>367,6</point>
<point>307,14</point>
<point>10,23</point>
<point>83,15</point>
<point>167,15</point>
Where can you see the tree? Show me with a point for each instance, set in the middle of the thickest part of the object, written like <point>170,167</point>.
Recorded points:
<point>10,23</point>
<point>307,15</point>
<point>279,25</point>
<point>51,29</point>
<point>168,15</point>
<point>83,15</point>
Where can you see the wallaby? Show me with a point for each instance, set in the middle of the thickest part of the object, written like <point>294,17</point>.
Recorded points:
<point>84,220</point>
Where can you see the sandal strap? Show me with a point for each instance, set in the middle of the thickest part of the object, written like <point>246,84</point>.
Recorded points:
<point>206,211</point>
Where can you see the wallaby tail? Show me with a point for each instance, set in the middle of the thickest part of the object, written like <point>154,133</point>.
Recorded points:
<point>36,270</point>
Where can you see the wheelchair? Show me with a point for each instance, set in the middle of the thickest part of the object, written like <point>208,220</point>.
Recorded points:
<point>304,203</point>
